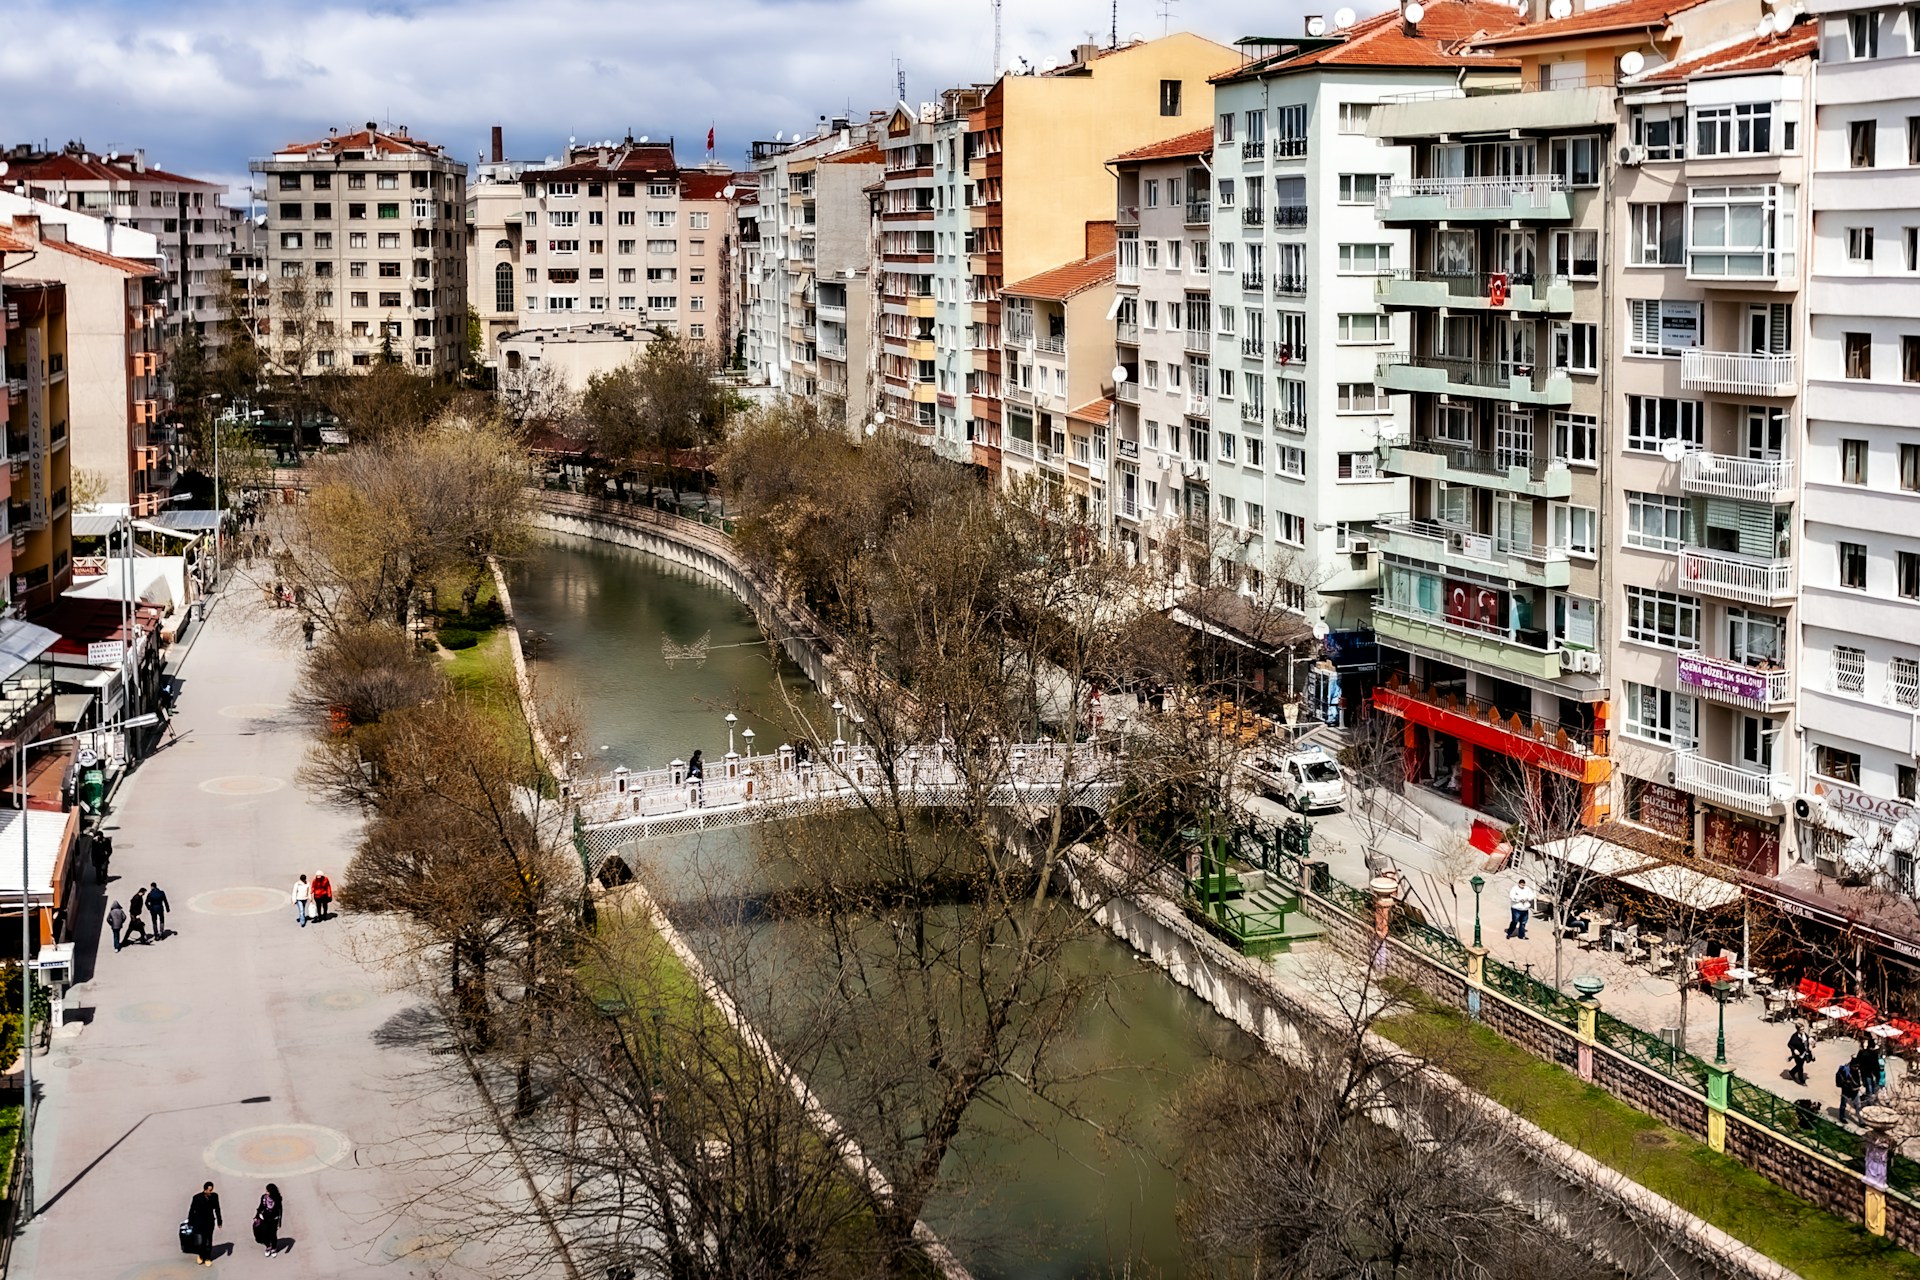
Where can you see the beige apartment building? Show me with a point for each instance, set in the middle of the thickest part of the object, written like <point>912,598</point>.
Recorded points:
<point>365,253</point>
<point>36,542</point>
<point>494,245</point>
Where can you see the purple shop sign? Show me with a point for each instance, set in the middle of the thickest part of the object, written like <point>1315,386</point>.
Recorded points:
<point>1743,682</point>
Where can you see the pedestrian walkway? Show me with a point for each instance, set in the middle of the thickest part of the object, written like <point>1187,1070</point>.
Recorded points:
<point>241,1048</point>
<point>1756,1049</point>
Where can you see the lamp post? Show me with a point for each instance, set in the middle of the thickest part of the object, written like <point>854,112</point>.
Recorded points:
<point>20,751</point>
<point>746,735</point>
<point>839,710</point>
<point>1478,883</point>
<point>1720,990</point>
<point>732,719</point>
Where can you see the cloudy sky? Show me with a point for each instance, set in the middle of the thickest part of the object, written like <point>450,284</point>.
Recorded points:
<point>205,84</point>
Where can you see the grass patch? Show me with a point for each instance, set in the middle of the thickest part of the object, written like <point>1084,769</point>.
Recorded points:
<point>1713,1187</point>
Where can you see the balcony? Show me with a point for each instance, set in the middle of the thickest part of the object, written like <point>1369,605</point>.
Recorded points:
<point>1253,215</point>
<point>1199,212</point>
<point>1252,348</point>
<point>1482,468</point>
<point>1736,684</point>
<point>1288,352</point>
<point>1731,786</point>
<point>1290,148</point>
<point>1454,547</point>
<point>1127,392</point>
<point>1527,294</point>
<point>1290,215</point>
<point>1738,373</point>
<point>1572,751</point>
<point>1125,273</point>
<point>1496,109</point>
<point>1198,406</point>
<point>1251,412</point>
<point>1294,420</point>
<point>1290,286</point>
<point>1252,281</point>
<point>1200,342</point>
<point>1732,576</point>
<point>1127,331</point>
<point>1719,475</point>
<point>1454,640</point>
<point>1254,149</point>
<point>1539,196</point>
<point>1482,379</point>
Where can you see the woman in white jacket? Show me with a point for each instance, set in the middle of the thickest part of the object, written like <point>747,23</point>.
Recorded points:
<point>302,895</point>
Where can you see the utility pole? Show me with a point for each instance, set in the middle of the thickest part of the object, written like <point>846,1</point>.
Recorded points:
<point>996,38</point>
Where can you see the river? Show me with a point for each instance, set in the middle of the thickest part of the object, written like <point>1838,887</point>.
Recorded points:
<point>1063,1201</point>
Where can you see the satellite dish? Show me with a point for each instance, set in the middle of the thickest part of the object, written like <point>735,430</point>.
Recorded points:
<point>1342,19</point>
<point>260,278</point>
<point>1134,37</point>
<point>1119,373</point>
<point>1521,6</point>
<point>1763,28</point>
<point>726,193</point>
<point>643,137</point>
<point>1050,64</point>
<point>570,139</point>
<point>1632,61</point>
<point>1316,26</point>
<point>1416,11</point>
<point>1673,450</point>
<point>1906,834</point>
<point>1560,9</point>
<point>779,135</point>
<point>112,156</point>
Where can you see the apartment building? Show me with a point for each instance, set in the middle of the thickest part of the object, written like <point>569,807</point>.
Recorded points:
<point>195,231</point>
<point>1708,219</point>
<point>814,223</point>
<point>1305,309</point>
<point>494,244</point>
<point>1860,545</point>
<point>1059,379</point>
<point>36,538</point>
<point>115,349</point>
<point>365,252</point>
<point>1037,152</point>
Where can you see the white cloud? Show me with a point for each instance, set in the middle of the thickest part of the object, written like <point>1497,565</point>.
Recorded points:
<point>203,86</point>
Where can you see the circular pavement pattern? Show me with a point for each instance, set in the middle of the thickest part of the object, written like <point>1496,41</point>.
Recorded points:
<point>242,784</point>
<point>176,1269</point>
<point>246,900</point>
<point>252,710</point>
<point>271,1151</point>
<point>340,1001</point>
<point>150,1011</point>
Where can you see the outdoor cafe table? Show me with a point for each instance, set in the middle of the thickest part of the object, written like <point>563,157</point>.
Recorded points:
<point>1885,1031</point>
<point>1741,976</point>
<point>1835,1015</point>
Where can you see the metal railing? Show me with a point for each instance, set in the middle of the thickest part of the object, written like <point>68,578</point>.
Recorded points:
<point>1251,412</point>
<point>1253,215</point>
<point>1199,340</point>
<point>1288,352</point>
<point>1483,461</point>
<point>1739,373</point>
<point>1198,406</point>
<point>1466,626</point>
<point>1290,286</point>
<point>1732,785</point>
<point>1466,542</point>
<point>1290,213</point>
<point>1198,212</point>
<point>1735,682</point>
<point>1290,148</point>
<point>1734,576</point>
<point>1468,284</point>
<point>1294,420</point>
<point>1492,374</point>
<point>1504,88</point>
<point>1519,192</point>
<point>1252,348</point>
<point>1127,331</point>
<point>1252,281</point>
<point>1254,149</point>
<point>1127,392</point>
<point>1724,476</point>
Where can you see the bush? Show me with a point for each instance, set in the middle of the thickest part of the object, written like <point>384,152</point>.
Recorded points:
<point>458,638</point>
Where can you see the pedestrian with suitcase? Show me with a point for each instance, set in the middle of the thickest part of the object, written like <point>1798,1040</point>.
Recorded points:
<point>203,1216</point>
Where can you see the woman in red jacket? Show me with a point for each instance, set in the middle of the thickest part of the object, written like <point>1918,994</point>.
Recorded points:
<point>322,896</point>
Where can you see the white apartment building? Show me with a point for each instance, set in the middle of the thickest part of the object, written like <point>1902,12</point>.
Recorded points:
<point>494,244</point>
<point>372,225</point>
<point>1860,561</point>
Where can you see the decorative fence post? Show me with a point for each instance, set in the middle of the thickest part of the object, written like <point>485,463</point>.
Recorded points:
<point>1718,1073</point>
<point>1879,1122</point>
<point>1589,988</point>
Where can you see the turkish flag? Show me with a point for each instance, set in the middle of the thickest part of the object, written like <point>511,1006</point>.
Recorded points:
<point>709,139</point>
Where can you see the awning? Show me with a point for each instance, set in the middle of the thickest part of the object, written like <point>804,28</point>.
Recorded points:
<point>1642,871</point>
<point>48,836</point>
<point>20,643</point>
<point>95,524</point>
<point>1591,853</point>
<point>1685,886</point>
<point>187,521</point>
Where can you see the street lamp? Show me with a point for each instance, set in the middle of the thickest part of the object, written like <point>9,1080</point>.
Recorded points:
<point>1478,883</point>
<point>732,719</point>
<point>1721,988</point>
<point>20,750</point>
<point>839,709</point>
<point>746,735</point>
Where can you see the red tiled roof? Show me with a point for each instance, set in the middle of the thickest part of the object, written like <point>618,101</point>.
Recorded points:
<point>131,266</point>
<point>1443,39</point>
<point>1630,15</point>
<point>1197,143</point>
<point>67,167</point>
<point>866,154</point>
<point>639,158</point>
<point>391,144</point>
<point>1750,54</point>
<point>707,186</point>
<point>10,243</point>
<point>1064,282</point>
<point>1098,412</point>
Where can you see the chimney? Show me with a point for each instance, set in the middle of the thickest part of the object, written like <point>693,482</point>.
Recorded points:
<point>1084,53</point>
<point>1100,237</point>
<point>499,144</point>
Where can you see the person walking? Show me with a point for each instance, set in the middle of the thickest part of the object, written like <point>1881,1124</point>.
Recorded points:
<point>100,850</point>
<point>157,905</point>
<point>1520,906</point>
<point>307,630</point>
<point>696,771</point>
<point>116,921</point>
<point>203,1215</point>
<point>302,896</point>
<point>135,905</point>
<point>1873,1072</point>
<point>1847,1077</point>
<point>266,1220</point>
<point>1800,1049</point>
<point>322,896</point>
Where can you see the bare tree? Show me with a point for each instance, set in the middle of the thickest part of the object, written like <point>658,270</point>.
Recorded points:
<point>657,411</point>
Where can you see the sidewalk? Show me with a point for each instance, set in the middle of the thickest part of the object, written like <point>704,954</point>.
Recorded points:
<point>1756,1049</point>
<point>242,1048</point>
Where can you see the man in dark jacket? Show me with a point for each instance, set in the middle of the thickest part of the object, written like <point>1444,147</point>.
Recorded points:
<point>1847,1078</point>
<point>1801,1051</point>
<point>135,923</point>
<point>157,905</point>
<point>203,1215</point>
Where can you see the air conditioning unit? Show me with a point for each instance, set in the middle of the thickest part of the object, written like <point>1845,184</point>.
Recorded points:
<point>1633,156</point>
<point>1810,806</point>
<point>1360,546</point>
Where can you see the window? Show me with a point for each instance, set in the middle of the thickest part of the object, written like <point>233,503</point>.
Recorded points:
<point>289,239</point>
<point>355,211</point>
<point>356,299</point>
<point>1740,129</point>
<point>1909,358</point>
<point>1859,349</point>
<point>1366,259</point>
<point>389,270</point>
<point>1853,462</point>
<point>1656,521</point>
<point>1227,509</point>
<point>1354,116</point>
<point>1576,347</point>
<point>1841,766</point>
<point>1152,191</point>
<point>1910,467</point>
<point>390,210</point>
<point>356,182</point>
<point>1654,420</point>
<point>1859,244</point>
<point>503,287</point>
<point>1863,35</point>
<point>1853,565</point>
<point>1576,439</point>
<point>1575,529</point>
<point>1223,131</point>
<point>1256,452</point>
<point>1740,231</point>
<point>1362,397</point>
<point>1169,97</point>
<point>1847,670</point>
<point>662,302</point>
<point>1576,254</point>
<point>1913,122</point>
<point>1577,160</point>
<point>389,240</point>
<point>1659,715</point>
<point>661,248</point>
<point>1359,466</point>
<point>625,246</point>
<point>1290,528</point>
<point>1658,236</point>
<point>1289,460</point>
<point>1365,327</point>
<point>1662,130</point>
<point>1908,574</point>
<point>1860,137</point>
<point>423,208</point>
<point>1660,328</point>
<point>1360,188</point>
<point>1663,618</point>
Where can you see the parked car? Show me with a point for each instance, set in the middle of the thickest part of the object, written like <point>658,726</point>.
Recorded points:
<point>1305,780</point>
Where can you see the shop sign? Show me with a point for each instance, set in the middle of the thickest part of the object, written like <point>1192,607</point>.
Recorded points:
<point>1665,809</point>
<point>105,653</point>
<point>1735,842</point>
<point>1881,809</point>
<point>1722,677</point>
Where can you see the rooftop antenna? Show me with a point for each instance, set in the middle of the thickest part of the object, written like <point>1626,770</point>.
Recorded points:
<point>1166,14</point>
<point>997,68</point>
<point>899,81</point>
<point>1113,26</point>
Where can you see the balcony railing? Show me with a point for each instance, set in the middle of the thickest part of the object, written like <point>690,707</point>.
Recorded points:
<point>1290,148</point>
<point>1199,212</point>
<point>1251,412</point>
<point>1492,374</point>
<point>1252,348</point>
<point>1289,352</point>
<point>1199,341</point>
<point>1486,462</point>
<point>1736,577</point>
<point>1253,215</point>
<point>1731,786</point>
<point>1719,475</point>
<point>1198,406</point>
<point>1294,420</point>
<point>1127,273</point>
<point>1127,331</point>
<point>1252,281</point>
<point>1471,284</point>
<point>1530,192</point>
<point>1254,149</point>
<point>1015,445</point>
<point>1290,286</point>
<point>1738,373</point>
<point>1127,392</point>
<point>1290,213</point>
<point>1757,688</point>
<point>1052,344</point>
<point>1487,548</point>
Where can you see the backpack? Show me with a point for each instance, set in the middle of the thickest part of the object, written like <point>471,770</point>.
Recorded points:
<point>1846,1078</point>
